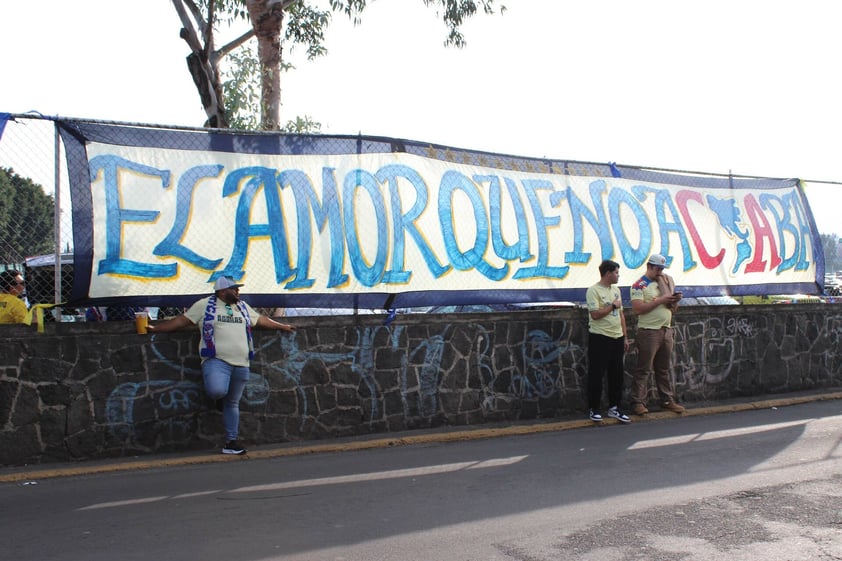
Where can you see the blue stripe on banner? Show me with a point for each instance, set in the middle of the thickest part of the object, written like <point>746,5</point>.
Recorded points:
<point>4,118</point>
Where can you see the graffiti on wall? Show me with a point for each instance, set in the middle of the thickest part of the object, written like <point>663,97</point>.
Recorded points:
<point>176,401</point>
<point>705,352</point>
<point>423,373</point>
<point>165,401</point>
<point>509,366</point>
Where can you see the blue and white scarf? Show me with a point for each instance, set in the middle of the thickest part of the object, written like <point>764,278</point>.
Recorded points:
<point>209,351</point>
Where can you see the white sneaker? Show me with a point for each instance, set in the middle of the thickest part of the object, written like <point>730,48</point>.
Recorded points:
<point>594,416</point>
<point>615,413</point>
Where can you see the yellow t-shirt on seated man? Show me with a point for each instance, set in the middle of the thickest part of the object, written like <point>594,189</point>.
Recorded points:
<point>12,308</point>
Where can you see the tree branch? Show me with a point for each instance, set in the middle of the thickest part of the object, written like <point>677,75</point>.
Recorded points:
<point>188,30</point>
<point>235,43</point>
<point>207,32</point>
<point>196,12</point>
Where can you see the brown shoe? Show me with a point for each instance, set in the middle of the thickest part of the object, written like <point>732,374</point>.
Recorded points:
<point>673,406</point>
<point>640,409</point>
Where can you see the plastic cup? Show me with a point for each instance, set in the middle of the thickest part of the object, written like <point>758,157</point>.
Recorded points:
<point>141,321</point>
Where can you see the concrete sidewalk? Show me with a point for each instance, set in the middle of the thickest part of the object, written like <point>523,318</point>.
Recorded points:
<point>441,435</point>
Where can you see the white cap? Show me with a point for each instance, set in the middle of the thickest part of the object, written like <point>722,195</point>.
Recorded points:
<point>658,260</point>
<point>225,282</point>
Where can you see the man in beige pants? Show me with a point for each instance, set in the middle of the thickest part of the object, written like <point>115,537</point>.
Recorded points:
<point>654,300</point>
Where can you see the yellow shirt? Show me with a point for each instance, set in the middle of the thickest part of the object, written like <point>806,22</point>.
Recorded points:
<point>597,297</point>
<point>647,290</point>
<point>12,308</point>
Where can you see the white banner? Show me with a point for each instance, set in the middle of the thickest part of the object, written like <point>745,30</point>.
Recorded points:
<point>166,221</point>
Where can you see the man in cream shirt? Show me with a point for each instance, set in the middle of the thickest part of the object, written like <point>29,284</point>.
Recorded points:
<point>226,349</point>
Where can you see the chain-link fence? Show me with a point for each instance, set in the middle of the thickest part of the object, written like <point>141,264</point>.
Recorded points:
<point>37,231</point>
<point>35,223</point>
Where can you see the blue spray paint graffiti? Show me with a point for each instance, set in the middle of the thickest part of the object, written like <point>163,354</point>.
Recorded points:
<point>536,377</point>
<point>171,401</point>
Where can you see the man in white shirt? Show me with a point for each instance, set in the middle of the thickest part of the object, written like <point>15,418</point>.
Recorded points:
<point>226,349</point>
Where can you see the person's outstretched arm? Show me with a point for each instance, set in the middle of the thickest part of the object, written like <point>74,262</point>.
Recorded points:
<point>172,324</point>
<point>268,323</point>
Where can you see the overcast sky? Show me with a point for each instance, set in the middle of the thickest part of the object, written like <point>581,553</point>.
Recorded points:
<point>750,87</point>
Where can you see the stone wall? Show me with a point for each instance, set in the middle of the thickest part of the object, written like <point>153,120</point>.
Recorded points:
<point>95,390</point>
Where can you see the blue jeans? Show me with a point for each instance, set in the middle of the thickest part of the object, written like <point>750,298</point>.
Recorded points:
<point>227,382</point>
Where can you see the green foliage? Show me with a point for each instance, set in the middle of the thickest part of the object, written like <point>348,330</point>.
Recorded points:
<point>302,125</point>
<point>242,94</point>
<point>306,26</point>
<point>227,11</point>
<point>26,218</point>
<point>241,88</point>
<point>454,13</point>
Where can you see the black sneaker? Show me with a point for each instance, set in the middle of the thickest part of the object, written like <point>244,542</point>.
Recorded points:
<point>233,447</point>
<point>594,416</point>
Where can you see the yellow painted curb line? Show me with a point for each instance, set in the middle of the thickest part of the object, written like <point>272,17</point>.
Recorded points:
<point>409,440</point>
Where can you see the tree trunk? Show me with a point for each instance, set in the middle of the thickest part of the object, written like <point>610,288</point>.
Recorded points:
<point>267,19</point>
<point>202,61</point>
<point>206,77</point>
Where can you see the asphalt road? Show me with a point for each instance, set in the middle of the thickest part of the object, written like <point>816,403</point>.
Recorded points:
<point>762,484</point>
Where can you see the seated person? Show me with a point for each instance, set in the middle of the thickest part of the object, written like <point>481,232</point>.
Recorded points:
<point>12,307</point>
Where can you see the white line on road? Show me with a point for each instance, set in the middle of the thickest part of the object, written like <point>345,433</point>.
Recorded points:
<point>354,478</point>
